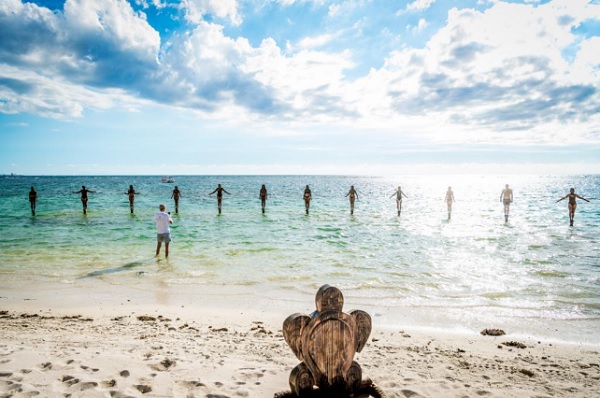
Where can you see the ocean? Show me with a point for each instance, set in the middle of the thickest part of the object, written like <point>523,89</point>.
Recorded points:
<point>534,275</point>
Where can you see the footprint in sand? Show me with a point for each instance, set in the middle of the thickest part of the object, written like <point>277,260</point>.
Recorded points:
<point>163,365</point>
<point>46,366</point>
<point>87,385</point>
<point>4,384</point>
<point>144,389</point>
<point>10,387</point>
<point>192,384</point>
<point>69,380</point>
<point>109,383</point>
<point>410,394</point>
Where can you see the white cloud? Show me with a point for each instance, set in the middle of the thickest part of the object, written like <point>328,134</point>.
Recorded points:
<point>196,9</point>
<point>334,9</point>
<point>48,97</point>
<point>315,41</point>
<point>416,6</point>
<point>112,21</point>
<point>419,5</point>
<point>288,3</point>
<point>422,24</point>
<point>586,66</point>
<point>496,74</point>
<point>483,77</point>
<point>58,64</point>
<point>307,81</point>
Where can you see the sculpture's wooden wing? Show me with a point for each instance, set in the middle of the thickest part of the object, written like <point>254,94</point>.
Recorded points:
<point>293,327</point>
<point>363,323</point>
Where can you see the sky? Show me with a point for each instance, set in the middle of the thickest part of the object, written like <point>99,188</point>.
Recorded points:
<point>355,87</point>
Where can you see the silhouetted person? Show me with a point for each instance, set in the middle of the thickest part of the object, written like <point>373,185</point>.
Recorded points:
<point>163,231</point>
<point>572,204</point>
<point>506,197</point>
<point>449,200</point>
<point>399,195</point>
<point>219,190</point>
<point>84,197</point>
<point>352,196</point>
<point>175,196</point>
<point>307,198</point>
<point>33,196</point>
<point>263,197</point>
<point>131,194</point>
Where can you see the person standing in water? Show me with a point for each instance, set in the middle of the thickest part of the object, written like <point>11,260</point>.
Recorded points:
<point>131,193</point>
<point>449,200</point>
<point>163,231</point>
<point>33,196</point>
<point>399,195</point>
<point>352,195</point>
<point>219,190</point>
<point>307,198</point>
<point>263,197</point>
<point>506,197</point>
<point>84,197</point>
<point>175,196</point>
<point>572,203</point>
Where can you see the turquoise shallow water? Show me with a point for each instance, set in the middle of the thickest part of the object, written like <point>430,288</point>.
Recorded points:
<point>535,273</point>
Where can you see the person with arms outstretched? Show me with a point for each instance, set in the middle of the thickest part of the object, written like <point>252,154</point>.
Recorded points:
<point>33,196</point>
<point>84,197</point>
<point>506,197</point>
<point>352,195</point>
<point>398,193</point>
<point>263,197</point>
<point>131,193</point>
<point>175,196</point>
<point>163,231</point>
<point>572,204</point>
<point>449,200</point>
<point>219,190</point>
<point>307,198</point>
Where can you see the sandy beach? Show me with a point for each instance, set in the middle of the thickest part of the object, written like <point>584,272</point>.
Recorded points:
<point>52,345</point>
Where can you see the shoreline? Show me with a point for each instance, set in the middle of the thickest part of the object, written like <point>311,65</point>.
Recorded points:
<point>95,297</point>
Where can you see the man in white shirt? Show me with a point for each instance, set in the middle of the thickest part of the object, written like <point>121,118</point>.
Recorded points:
<point>163,232</point>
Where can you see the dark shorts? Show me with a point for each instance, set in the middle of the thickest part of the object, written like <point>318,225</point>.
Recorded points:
<point>163,237</point>
<point>506,202</point>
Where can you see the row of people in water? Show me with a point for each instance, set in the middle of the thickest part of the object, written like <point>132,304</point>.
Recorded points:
<point>506,197</point>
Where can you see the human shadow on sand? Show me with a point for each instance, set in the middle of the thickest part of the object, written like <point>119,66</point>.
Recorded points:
<point>115,270</point>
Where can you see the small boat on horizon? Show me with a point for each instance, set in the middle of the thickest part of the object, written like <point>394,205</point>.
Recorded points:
<point>169,180</point>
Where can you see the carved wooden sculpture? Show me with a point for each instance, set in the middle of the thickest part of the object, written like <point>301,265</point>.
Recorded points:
<point>326,342</point>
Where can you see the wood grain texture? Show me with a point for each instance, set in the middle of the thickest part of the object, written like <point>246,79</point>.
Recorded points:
<point>326,342</point>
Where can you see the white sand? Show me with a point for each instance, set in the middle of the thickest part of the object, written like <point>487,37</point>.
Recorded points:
<point>53,345</point>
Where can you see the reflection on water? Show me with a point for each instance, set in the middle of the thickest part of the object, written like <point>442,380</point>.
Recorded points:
<point>472,265</point>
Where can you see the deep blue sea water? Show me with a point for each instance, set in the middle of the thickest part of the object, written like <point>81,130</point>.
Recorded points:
<point>534,274</point>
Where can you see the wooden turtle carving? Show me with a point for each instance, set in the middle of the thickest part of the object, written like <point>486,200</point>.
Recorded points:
<point>326,342</point>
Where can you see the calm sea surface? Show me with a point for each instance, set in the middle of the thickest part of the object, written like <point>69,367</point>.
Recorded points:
<point>534,274</point>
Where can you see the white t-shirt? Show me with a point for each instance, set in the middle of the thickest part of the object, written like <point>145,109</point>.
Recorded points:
<point>162,222</point>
